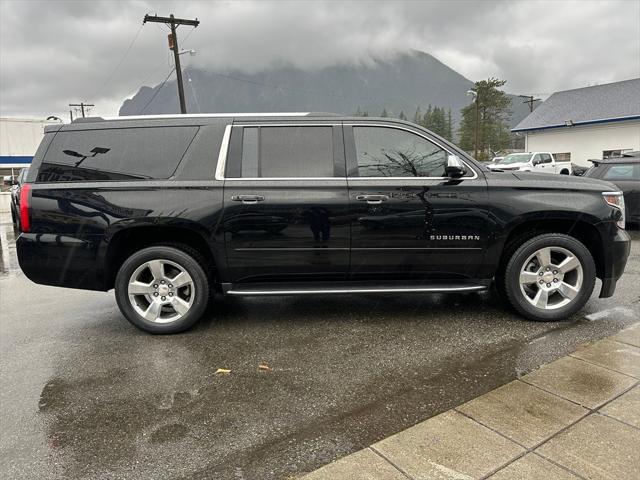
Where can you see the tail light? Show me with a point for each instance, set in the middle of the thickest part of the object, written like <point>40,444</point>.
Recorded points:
<point>25,204</point>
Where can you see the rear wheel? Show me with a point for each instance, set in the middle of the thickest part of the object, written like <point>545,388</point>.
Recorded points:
<point>162,289</point>
<point>549,277</point>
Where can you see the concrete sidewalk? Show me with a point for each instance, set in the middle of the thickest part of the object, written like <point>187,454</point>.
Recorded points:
<point>575,418</point>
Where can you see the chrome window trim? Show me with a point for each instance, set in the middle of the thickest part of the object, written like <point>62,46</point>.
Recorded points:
<point>224,149</point>
<point>222,154</point>
<point>398,127</point>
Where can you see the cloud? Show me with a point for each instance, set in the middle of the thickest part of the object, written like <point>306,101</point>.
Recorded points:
<point>56,52</point>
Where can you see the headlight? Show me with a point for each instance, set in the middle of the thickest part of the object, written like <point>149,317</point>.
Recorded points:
<point>616,200</point>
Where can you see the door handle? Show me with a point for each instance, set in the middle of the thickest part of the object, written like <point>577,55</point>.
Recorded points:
<point>248,199</point>
<point>372,199</point>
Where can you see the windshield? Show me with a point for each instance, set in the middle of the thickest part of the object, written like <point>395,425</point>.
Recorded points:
<point>515,158</point>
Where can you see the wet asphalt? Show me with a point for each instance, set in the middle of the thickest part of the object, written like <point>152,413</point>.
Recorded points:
<point>85,395</point>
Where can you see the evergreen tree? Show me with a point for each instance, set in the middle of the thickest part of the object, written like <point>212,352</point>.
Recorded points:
<point>417,117</point>
<point>384,113</point>
<point>402,116</point>
<point>492,113</point>
<point>427,118</point>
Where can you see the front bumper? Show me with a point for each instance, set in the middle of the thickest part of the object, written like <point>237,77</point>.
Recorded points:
<point>616,253</point>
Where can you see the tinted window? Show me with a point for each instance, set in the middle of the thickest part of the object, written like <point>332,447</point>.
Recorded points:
<point>115,154</point>
<point>277,152</point>
<point>623,172</point>
<point>545,158</point>
<point>389,152</point>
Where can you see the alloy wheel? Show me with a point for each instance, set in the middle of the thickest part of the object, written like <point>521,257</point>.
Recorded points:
<point>161,291</point>
<point>551,278</point>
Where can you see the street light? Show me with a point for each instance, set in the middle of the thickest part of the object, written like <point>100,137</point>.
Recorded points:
<point>477,126</point>
<point>191,52</point>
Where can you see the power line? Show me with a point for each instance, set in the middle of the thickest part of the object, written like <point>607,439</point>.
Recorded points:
<point>113,72</point>
<point>157,91</point>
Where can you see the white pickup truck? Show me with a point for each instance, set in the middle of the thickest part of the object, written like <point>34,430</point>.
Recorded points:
<point>543,162</point>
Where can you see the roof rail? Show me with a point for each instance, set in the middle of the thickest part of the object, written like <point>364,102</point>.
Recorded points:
<point>217,115</point>
<point>87,119</point>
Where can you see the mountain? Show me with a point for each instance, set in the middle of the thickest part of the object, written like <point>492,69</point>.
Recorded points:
<point>403,83</point>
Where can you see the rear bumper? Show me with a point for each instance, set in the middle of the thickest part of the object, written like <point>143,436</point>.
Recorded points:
<point>60,260</point>
<point>616,253</point>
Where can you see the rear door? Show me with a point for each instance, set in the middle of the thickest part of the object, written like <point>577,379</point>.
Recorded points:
<point>408,220</point>
<point>286,203</point>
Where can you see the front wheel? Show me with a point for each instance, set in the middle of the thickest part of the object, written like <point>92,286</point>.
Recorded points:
<point>549,277</point>
<point>162,289</point>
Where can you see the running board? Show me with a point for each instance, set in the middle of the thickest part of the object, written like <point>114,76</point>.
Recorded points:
<point>268,290</point>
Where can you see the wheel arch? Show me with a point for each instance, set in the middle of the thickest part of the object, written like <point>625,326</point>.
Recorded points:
<point>124,242</point>
<point>585,232</point>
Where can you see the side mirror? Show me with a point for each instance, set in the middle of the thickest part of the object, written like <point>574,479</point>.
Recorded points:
<point>536,161</point>
<point>455,167</point>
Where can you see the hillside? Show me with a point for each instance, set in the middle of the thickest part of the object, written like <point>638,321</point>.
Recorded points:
<point>407,81</point>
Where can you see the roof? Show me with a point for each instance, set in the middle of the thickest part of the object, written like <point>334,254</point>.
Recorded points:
<point>629,157</point>
<point>610,102</point>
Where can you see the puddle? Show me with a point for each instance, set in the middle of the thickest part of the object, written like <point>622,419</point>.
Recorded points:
<point>8,259</point>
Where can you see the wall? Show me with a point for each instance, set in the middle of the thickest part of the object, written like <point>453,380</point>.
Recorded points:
<point>585,142</point>
<point>19,139</point>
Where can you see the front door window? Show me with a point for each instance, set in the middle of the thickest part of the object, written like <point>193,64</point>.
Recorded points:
<point>390,152</point>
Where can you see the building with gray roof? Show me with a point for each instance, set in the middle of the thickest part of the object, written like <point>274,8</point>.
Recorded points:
<point>586,123</point>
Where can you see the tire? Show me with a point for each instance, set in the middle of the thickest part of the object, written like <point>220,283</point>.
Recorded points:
<point>176,308</point>
<point>549,277</point>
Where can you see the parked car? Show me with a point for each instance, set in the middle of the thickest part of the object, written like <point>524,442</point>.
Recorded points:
<point>15,196</point>
<point>578,170</point>
<point>496,159</point>
<point>543,162</point>
<point>624,172</point>
<point>303,204</point>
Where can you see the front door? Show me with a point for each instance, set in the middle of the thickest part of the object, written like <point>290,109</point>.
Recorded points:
<point>286,203</point>
<point>409,221</point>
<point>542,162</point>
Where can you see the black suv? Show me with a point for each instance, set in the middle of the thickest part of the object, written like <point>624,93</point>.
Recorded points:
<point>171,209</point>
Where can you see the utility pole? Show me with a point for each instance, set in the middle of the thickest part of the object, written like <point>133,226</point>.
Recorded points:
<point>474,94</point>
<point>173,23</point>
<point>81,105</point>
<point>529,100</point>
<point>477,124</point>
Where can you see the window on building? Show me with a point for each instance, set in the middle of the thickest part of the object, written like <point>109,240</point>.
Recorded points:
<point>562,157</point>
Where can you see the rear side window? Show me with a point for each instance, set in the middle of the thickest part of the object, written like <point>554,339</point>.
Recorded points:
<point>623,172</point>
<point>286,152</point>
<point>115,154</point>
<point>390,152</point>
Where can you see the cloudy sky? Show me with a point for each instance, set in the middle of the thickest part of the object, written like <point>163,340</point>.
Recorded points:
<point>56,52</point>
